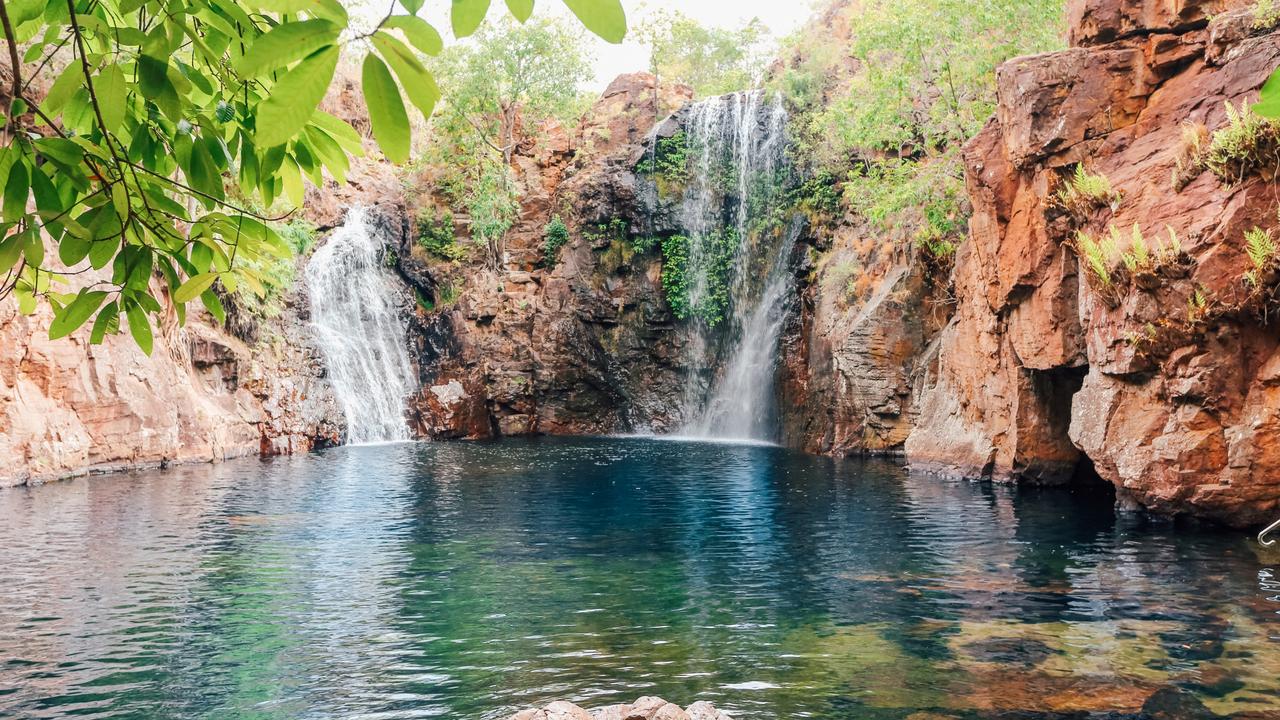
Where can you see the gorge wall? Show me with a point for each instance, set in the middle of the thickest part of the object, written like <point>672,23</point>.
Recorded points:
<point>1018,365</point>
<point>1164,381</point>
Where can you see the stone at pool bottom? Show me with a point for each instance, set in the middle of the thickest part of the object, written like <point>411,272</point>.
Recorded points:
<point>645,708</point>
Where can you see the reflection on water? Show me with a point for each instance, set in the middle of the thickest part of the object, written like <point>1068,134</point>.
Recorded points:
<point>466,580</point>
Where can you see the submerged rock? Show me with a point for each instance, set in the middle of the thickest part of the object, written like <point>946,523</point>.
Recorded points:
<point>644,708</point>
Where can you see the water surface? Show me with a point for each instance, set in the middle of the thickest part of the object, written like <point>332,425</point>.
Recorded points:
<point>468,580</point>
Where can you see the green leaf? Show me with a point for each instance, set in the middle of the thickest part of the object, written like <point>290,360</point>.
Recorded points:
<point>139,326</point>
<point>60,150</point>
<point>35,248</point>
<point>419,32</point>
<point>71,79</point>
<point>211,303</point>
<point>467,15</point>
<point>1268,105</point>
<point>156,85</point>
<point>293,100</point>
<point>386,110</point>
<point>605,18</point>
<point>291,175</point>
<point>413,6</point>
<point>112,96</point>
<point>418,83</point>
<point>521,9</point>
<point>192,288</point>
<point>10,251</point>
<point>342,133</point>
<point>284,44</point>
<point>108,321</point>
<point>282,6</point>
<point>101,252</point>
<point>74,314</point>
<point>16,189</point>
<point>72,249</point>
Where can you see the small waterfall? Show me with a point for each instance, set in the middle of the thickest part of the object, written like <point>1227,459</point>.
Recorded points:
<point>740,243</point>
<point>358,328</point>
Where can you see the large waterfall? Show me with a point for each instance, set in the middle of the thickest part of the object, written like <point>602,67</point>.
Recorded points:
<point>358,327</point>
<point>740,242</point>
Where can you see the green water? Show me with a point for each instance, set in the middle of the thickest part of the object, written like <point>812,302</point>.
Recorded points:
<point>469,580</point>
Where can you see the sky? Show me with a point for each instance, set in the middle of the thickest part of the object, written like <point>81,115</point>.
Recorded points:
<point>782,17</point>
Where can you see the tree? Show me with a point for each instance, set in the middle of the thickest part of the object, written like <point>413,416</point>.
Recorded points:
<point>921,83</point>
<point>165,123</point>
<point>515,75</point>
<point>712,61</point>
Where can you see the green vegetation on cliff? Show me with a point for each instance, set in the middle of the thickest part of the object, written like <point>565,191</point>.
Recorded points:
<point>886,105</point>
<point>513,77</point>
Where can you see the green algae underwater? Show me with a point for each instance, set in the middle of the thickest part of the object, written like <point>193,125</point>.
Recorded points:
<point>468,580</point>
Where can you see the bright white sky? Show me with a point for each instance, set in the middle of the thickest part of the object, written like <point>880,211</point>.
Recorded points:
<point>782,17</point>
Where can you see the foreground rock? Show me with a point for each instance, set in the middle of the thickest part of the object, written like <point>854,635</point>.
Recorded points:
<point>645,708</point>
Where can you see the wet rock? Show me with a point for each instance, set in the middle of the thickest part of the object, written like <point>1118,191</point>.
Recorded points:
<point>1017,652</point>
<point>1214,681</point>
<point>703,710</point>
<point>1176,704</point>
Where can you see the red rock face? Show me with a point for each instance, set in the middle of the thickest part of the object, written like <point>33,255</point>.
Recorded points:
<point>1041,365</point>
<point>568,349</point>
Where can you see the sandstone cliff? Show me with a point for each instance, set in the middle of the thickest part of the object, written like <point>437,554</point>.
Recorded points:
<point>1165,382</point>
<point>69,408</point>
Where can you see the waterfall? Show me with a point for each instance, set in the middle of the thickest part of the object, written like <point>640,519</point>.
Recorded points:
<point>740,241</point>
<point>360,333</point>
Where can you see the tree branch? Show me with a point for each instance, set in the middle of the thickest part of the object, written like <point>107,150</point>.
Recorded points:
<point>14,61</point>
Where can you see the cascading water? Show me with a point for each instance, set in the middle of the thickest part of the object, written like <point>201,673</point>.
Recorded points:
<point>740,242</point>
<point>358,328</point>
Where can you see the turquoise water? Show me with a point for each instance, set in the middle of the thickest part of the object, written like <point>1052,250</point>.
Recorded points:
<point>468,580</point>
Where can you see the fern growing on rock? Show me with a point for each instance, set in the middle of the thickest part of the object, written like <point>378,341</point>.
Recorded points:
<point>1085,192</point>
<point>1248,143</point>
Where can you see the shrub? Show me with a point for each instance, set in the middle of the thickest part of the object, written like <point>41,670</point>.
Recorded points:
<point>912,200</point>
<point>1084,192</point>
<point>1191,157</point>
<point>447,294</point>
<point>1246,144</point>
<point>435,235</point>
<point>1197,306</point>
<point>555,235</point>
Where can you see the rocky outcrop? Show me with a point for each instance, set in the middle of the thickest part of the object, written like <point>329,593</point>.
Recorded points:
<point>1164,382</point>
<point>584,346</point>
<point>645,708</point>
<point>69,408</point>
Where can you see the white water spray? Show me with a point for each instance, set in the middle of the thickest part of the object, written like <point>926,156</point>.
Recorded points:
<point>358,328</point>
